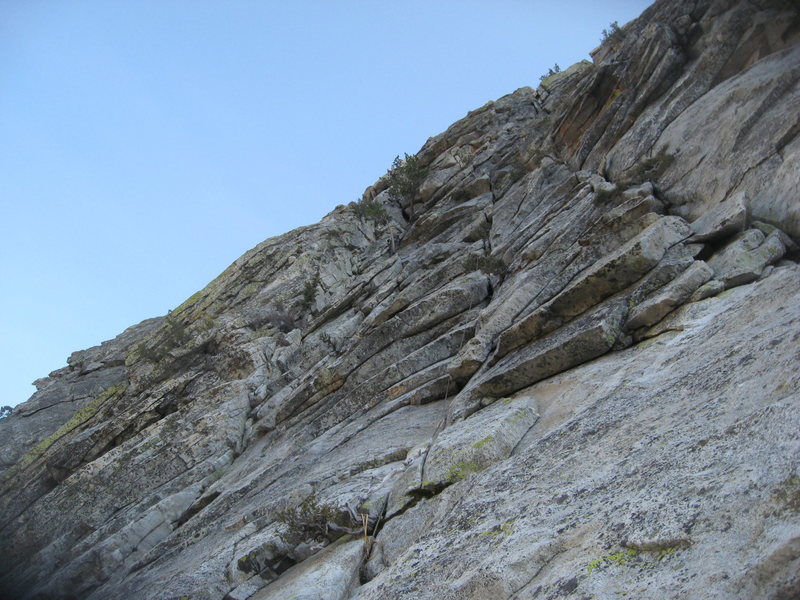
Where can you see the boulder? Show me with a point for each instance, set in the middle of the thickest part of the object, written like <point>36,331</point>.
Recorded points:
<point>743,259</point>
<point>711,288</point>
<point>487,437</point>
<point>333,574</point>
<point>669,297</point>
<point>581,340</point>
<point>725,219</point>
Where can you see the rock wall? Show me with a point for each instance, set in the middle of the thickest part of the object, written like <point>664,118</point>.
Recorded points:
<point>553,355</point>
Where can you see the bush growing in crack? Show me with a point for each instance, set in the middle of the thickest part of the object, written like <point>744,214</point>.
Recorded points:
<point>311,520</point>
<point>310,291</point>
<point>486,264</point>
<point>613,34</point>
<point>280,319</point>
<point>650,169</point>
<point>404,178</point>
<point>262,320</point>
<point>371,210</point>
<point>550,72</point>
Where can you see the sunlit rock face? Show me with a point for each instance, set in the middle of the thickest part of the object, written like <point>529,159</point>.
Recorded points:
<point>555,354</point>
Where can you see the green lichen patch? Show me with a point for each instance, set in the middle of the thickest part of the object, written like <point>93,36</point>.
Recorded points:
<point>644,555</point>
<point>481,443</point>
<point>462,470</point>
<point>617,559</point>
<point>505,528</point>
<point>665,552</point>
<point>519,415</point>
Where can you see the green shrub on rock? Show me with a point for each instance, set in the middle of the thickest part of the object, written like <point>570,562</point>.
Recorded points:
<point>311,520</point>
<point>404,178</point>
<point>310,292</point>
<point>613,34</point>
<point>550,72</point>
<point>372,210</point>
<point>486,264</point>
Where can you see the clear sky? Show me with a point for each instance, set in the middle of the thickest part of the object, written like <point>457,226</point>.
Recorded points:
<point>149,143</point>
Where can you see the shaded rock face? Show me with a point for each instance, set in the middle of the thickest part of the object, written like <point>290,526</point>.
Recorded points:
<point>565,365</point>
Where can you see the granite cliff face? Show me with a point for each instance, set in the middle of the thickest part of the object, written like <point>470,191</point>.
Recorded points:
<point>558,359</point>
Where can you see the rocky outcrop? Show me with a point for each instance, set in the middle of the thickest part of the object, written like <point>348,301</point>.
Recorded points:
<point>559,360</point>
<point>664,470</point>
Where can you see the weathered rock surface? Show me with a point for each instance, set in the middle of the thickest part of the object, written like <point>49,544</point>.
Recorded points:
<point>672,295</point>
<point>64,392</point>
<point>666,470</point>
<point>745,258</point>
<point>564,366</point>
<point>723,220</point>
<point>332,573</point>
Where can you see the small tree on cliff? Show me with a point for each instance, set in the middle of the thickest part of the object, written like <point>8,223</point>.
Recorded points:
<point>613,33</point>
<point>405,177</point>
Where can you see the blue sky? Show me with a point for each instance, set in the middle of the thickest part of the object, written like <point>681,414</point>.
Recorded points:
<point>149,143</point>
